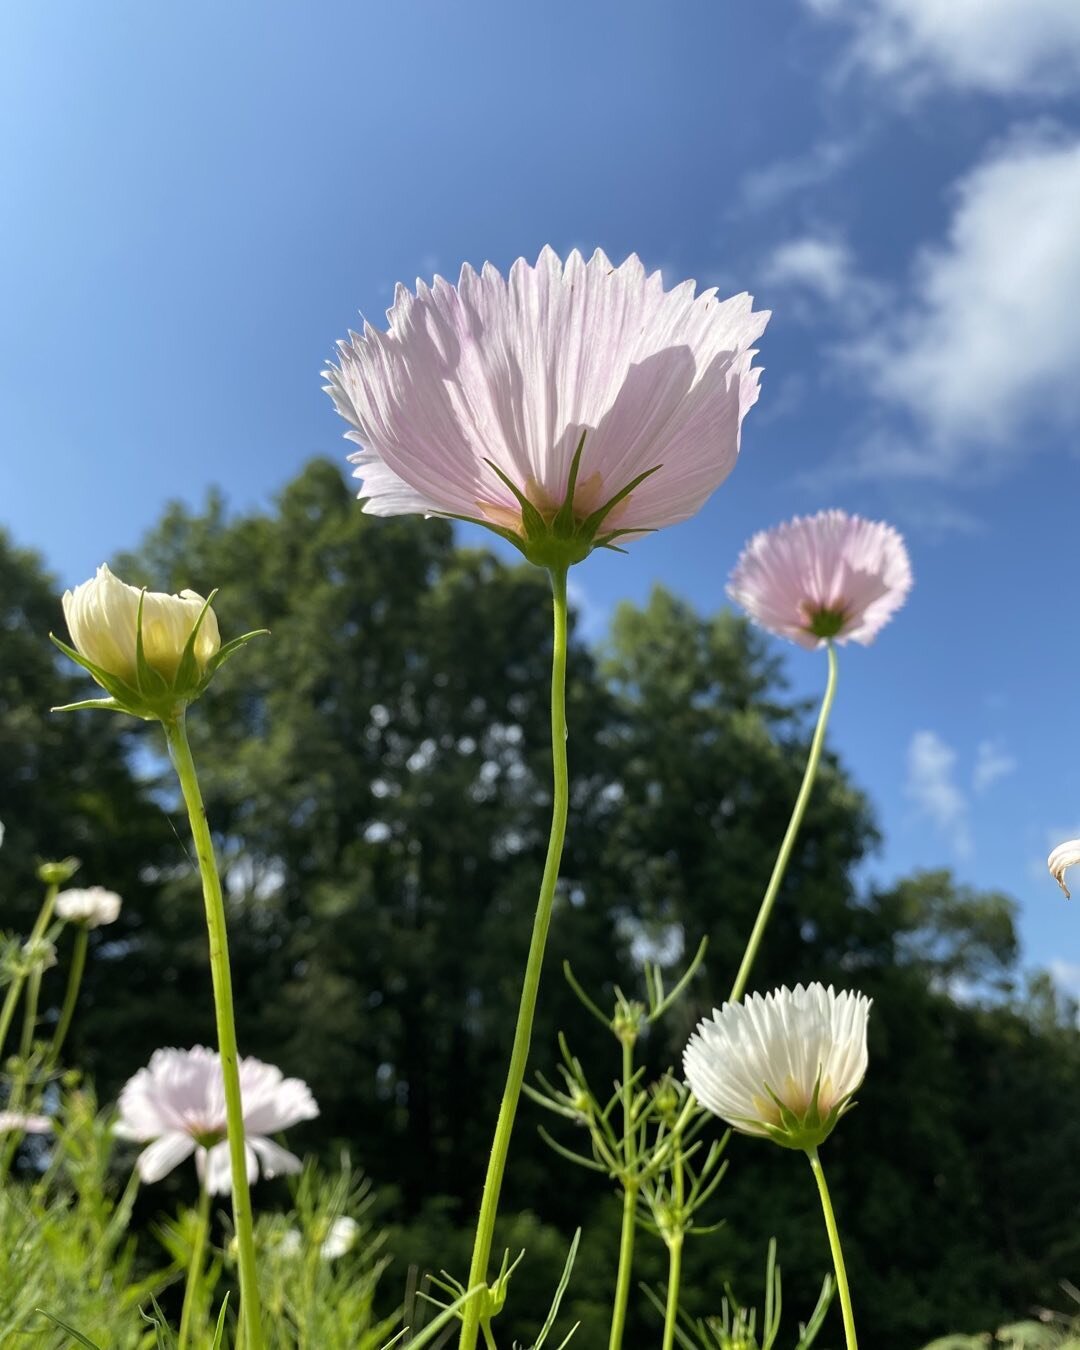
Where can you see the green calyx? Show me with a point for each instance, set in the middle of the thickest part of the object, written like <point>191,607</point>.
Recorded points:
<point>827,623</point>
<point>557,539</point>
<point>154,697</point>
<point>807,1130</point>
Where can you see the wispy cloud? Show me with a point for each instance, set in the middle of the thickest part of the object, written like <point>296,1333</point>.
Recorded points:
<point>932,786</point>
<point>992,763</point>
<point>1005,47</point>
<point>764,189</point>
<point>821,268</point>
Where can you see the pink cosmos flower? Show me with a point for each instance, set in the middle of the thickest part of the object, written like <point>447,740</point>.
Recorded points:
<point>177,1107</point>
<point>12,1121</point>
<point>578,385</point>
<point>829,576</point>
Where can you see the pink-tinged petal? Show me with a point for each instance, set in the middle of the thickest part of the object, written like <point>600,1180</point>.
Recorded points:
<point>273,1106</point>
<point>513,370</point>
<point>158,1159</point>
<point>829,576</point>
<point>215,1167</point>
<point>1066,855</point>
<point>20,1122</point>
<point>276,1161</point>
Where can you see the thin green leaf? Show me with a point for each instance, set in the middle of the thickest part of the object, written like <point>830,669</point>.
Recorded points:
<point>78,1336</point>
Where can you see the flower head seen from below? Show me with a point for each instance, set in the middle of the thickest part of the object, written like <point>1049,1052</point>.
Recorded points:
<point>829,577</point>
<point>567,406</point>
<point>151,652</point>
<point>784,1065</point>
<point>1066,855</point>
<point>176,1106</point>
<point>91,907</point>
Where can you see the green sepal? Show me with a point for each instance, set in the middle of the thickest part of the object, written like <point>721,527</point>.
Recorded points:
<point>152,684</point>
<point>230,649</point>
<point>187,672</point>
<point>108,704</point>
<point>120,690</point>
<point>563,523</point>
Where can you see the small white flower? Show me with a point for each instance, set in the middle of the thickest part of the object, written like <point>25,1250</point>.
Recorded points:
<point>102,618</point>
<point>341,1238</point>
<point>783,1066</point>
<point>176,1106</point>
<point>22,1123</point>
<point>93,906</point>
<point>39,952</point>
<point>290,1243</point>
<point>1066,855</point>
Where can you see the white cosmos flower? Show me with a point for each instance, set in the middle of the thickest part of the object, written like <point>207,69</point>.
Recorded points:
<point>783,1066</point>
<point>93,906</point>
<point>1066,855</point>
<point>475,402</point>
<point>102,617</point>
<point>176,1106</point>
<point>23,1123</point>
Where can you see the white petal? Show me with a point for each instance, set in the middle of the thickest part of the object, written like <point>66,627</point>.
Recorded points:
<point>1066,855</point>
<point>159,1159</point>
<point>276,1161</point>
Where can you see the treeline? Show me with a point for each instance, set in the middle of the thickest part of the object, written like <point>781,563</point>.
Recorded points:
<point>377,772</point>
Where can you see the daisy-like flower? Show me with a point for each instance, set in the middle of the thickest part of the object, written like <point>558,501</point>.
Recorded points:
<point>1066,855</point>
<point>783,1066</point>
<point>176,1106</point>
<point>826,577</point>
<point>565,406</point>
<point>91,907</point>
<point>21,1123</point>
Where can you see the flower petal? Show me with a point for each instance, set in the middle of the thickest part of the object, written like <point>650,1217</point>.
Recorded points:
<point>1066,855</point>
<point>160,1157</point>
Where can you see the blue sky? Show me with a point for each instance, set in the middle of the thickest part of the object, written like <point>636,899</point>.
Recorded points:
<point>199,199</point>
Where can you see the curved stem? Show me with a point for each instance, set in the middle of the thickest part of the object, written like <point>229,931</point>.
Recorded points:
<point>33,981</point>
<point>519,1054</point>
<point>75,974</point>
<point>837,1251</point>
<point>7,1012</point>
<point>195,1267</point>
<point>783,857</point>
<point>629,1215</point>
<point>250,1321</point>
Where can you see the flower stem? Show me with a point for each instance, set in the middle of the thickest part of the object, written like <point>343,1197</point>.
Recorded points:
<point>837,1251</point>
<point>75,974</point>
<point>675,1246</point>
<point>176,734</point>
<point>783,857</point>
<point>629,1215</point>
<point>33,981</point>
<point>519,1054</point>
<point>195,1267</point>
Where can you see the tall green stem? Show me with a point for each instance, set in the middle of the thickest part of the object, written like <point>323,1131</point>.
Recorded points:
<point>519,1054</point>
<point>250,1321</point>
<point>75,974</point>
<point>41,923</point>
<point>837,1251</point>
<point>195,1267</point>
<point>675,1246</point>
<point>783,857</point>
<point>629,1214</point>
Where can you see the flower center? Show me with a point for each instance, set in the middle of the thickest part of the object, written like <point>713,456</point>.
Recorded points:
<point>826,623</point>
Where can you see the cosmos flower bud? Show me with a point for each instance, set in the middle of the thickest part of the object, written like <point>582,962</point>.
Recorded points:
<point>784,1066</point>
<point>151,652</point>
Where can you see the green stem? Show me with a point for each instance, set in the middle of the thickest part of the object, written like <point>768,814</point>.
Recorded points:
<point>7,1012</point>
<point>250,1321</point>
<point>630,1193</point>
<point>837,1251</point>
<point>675,1246</point>
<point>33,982</point>
<point>519,1054</point>
<point>783,857</point>
<point>626,1264</point>
<point>195,1266</point>
<point>75,974</point>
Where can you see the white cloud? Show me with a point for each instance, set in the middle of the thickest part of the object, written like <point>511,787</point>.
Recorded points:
<point>932,786</point>
<point>992,763</point>
<point>763,189</point>
<point>1066,975</point>
<point>990,342</point>
<point>995,46</point>
<point>823,267</point>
